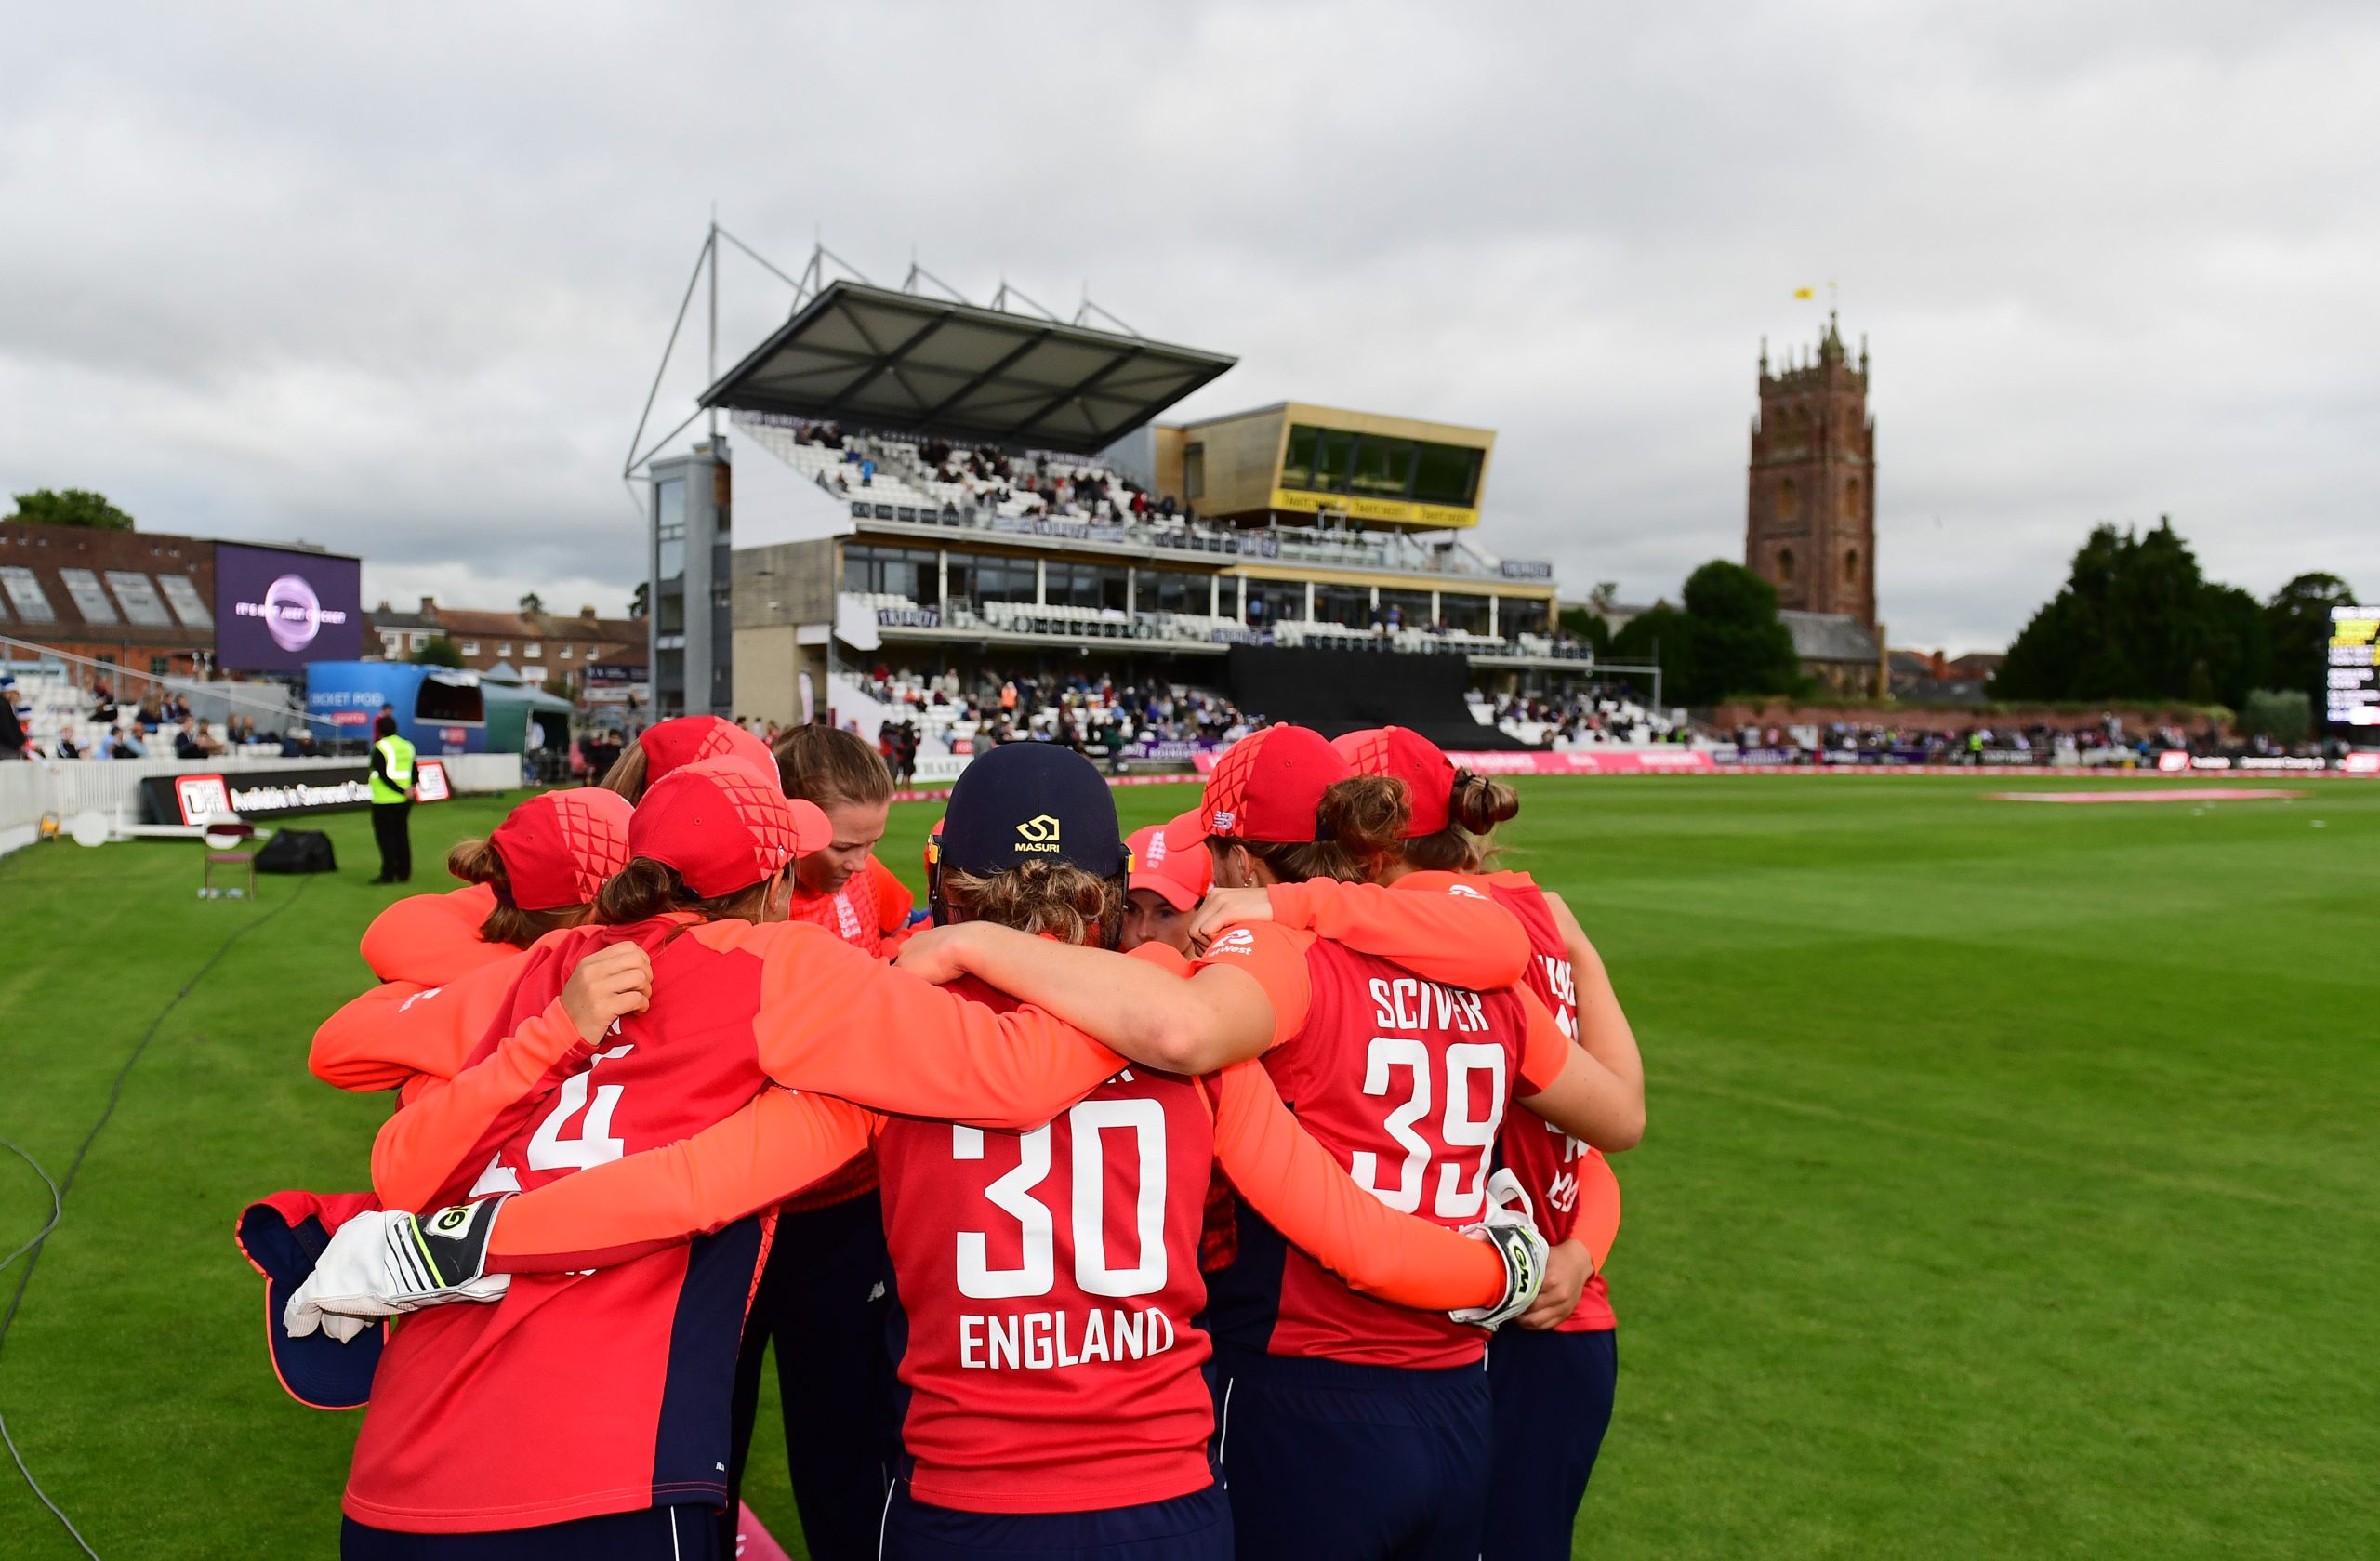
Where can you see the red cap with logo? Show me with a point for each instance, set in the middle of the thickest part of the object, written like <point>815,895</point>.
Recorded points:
<point>1179,875</point>
<point>1405,755</point>
<point>723,828</point>
<point>559,846</point>
<point>1266,788</point>
<point>692,739</point>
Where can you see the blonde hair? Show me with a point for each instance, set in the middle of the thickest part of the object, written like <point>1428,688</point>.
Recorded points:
<point>1056,898</point>
<point>627,774</point>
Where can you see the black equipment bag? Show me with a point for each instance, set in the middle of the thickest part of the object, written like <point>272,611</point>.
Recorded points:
<point>298,850</point>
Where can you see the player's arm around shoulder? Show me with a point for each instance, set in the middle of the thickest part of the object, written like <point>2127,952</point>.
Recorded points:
<point>1300,1188</point>
<point>1440,926</point>
<point>419,1150</point>
<point>1570,1087</point>
<point>778,1145</point>
<point>928,1052</point>
<point>1134,1006</point>
<point>393,1034</point>
<point>1604,1029</point>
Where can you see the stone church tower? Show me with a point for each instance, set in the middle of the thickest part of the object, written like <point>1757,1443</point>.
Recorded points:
<point>1810,526</point>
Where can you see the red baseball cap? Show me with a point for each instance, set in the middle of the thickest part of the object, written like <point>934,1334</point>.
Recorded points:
<point>559,846</point>
<point>1405,755</point>
<point>723,828</point>
<point>1266,788</point>
<point>1179,875</point>
<point>690,739</point>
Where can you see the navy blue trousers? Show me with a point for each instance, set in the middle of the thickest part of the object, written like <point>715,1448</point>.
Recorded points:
<point>678,1534</point>
<point>1191,1527</point>
<point>1552,1399</point>
<point>819,1301</point>
<point>1329,1461</point>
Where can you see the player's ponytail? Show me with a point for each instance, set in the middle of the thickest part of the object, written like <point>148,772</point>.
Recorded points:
<point>645,889</point>
<point>1475,807</point>
<point>477,862</point>
<point>1054,899</point>
<point>1358,825</point>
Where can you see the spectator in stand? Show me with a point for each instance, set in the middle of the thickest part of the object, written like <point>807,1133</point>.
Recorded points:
<point>196,742</point>
<point>13,726</point>
<point>118,743</point>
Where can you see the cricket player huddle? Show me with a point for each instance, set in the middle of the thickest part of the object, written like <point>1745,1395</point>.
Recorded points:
<point>1234,1189</point>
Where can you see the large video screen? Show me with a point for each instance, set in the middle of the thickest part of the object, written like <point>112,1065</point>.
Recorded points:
<point>276,610</point>
<point>2355,682</point>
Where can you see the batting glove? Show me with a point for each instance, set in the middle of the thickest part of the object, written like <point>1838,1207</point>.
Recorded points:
<point>388,1262</point>
<point>1507,1228</point>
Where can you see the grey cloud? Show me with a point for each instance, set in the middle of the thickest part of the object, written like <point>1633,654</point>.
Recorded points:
<point>397,283</point>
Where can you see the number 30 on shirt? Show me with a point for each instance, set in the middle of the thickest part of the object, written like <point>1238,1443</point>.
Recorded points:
<point>1092,1125</point>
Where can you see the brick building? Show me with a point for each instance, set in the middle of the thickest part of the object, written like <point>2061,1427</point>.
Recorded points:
<point>1810,512</point>
<point>587,654</point>
<point>1810,526</point>
<point>133,599</point>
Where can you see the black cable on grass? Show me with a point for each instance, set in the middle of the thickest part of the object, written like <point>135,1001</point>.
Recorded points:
<point>58,1190</point>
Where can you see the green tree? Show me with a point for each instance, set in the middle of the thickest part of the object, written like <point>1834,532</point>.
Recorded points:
<point>2136,619</point>
<point>533,602</point>
<point>2284,715</point>
<point>640,600</point>
<point>2298,619</point>
<point>439,651</point>
<point>1664,637</point>
<point>1728,639</point>
<point>71,507</point>
<point>1586,626</point>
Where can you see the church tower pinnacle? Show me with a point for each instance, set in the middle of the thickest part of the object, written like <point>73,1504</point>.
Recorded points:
<point>1810,523</point>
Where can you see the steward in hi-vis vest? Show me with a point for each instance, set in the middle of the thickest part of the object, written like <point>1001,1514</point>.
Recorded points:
<point>391,800</point>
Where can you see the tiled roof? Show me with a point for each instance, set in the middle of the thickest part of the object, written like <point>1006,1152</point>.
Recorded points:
<point>1830,637</point>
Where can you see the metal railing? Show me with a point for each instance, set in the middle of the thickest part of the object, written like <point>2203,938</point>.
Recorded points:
<point>86,673</point>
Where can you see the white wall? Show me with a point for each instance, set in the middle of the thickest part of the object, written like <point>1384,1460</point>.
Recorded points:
<point>774,503</point>
<point>68,787</point>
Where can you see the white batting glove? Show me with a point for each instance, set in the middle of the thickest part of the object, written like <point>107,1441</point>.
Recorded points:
<point>1507,1228</point>
<point>387,1261</point>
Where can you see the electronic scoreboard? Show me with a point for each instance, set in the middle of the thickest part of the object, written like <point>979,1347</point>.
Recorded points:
<point>2354,694</point>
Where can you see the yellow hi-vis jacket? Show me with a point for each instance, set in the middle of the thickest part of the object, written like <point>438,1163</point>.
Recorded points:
<point>396,756</point>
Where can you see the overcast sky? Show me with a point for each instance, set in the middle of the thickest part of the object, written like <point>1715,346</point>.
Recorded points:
<point>396,281</point>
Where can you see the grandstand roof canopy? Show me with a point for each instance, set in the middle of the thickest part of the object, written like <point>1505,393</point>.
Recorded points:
<point>872,356</point>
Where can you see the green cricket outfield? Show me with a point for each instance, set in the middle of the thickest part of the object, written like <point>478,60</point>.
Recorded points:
<point>2010,1186</point>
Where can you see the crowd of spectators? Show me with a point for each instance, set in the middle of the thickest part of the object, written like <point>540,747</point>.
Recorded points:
<point>1594,712</point>
<point>988,478</point>
<point>158,725</point>
<point>1095,714</point>
<point>2107,740</point>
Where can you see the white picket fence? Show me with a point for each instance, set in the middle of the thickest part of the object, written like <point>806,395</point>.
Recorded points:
<point>64,788</point>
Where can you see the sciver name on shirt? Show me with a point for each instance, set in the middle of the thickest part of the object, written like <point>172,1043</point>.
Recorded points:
<point>1410,1003</point>
<point>1051,1340</point>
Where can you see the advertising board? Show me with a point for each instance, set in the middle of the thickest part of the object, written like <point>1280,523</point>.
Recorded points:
<point>260,795</point>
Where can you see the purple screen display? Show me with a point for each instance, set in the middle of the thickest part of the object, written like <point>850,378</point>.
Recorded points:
<point>276,610</point>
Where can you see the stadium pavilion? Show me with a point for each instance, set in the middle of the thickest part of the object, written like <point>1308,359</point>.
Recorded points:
<point>924,481</point>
